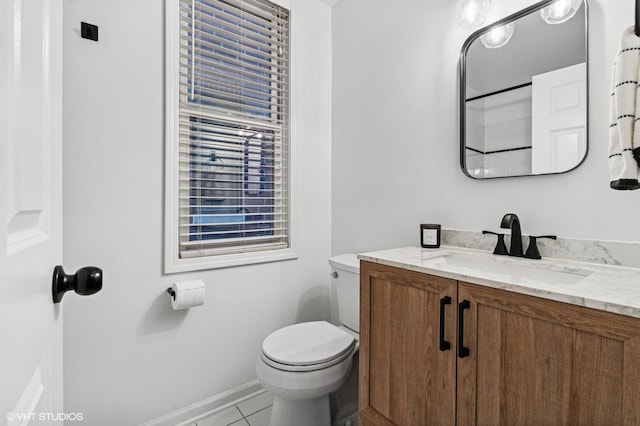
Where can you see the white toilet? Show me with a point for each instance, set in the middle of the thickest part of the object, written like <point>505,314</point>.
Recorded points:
<point>303,363</point>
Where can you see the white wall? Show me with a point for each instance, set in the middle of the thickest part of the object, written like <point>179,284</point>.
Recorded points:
<point>395,133</point>
<point>128,357</point>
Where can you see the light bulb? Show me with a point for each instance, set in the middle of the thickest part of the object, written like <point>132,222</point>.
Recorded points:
<point>498,37</point>
<point>560,11</point>
<point>471,14</point>
<point>469,11</point>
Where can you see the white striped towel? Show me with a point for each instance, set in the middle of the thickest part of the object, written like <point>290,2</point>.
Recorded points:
<point>624,136</point>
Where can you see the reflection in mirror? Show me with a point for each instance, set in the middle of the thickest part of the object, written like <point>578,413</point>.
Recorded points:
<point>523,88</point>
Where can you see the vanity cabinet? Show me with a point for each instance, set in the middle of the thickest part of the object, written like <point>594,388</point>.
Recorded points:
<point>530,361</point>
<point>404,377</point>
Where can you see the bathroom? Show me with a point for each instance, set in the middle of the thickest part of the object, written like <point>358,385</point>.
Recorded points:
<point>375,153</point>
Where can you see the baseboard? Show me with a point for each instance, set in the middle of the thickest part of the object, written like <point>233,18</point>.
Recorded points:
<point>187,415</point>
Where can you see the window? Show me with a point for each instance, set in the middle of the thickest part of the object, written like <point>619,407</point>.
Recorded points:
<point>228,136</point>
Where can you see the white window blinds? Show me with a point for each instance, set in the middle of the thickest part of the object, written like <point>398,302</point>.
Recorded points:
<point>233,127</point>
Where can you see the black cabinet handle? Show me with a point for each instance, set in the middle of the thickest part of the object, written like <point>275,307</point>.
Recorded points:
<point>462,351</point>
<point>444,345</point>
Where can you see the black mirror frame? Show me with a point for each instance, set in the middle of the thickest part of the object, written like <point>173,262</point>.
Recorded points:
<point>462,82</point>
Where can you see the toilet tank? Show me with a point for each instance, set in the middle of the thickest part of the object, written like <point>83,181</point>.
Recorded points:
<point>345,280</point>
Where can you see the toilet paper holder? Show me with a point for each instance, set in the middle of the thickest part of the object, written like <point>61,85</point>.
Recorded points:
<point>186,294</point>
<point>171,293</point>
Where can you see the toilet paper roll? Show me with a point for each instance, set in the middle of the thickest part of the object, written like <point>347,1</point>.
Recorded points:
<point>187,294</point>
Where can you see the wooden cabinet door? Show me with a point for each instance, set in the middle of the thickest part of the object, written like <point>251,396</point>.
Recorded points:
<point>405,379</point>
<point>539,362</point>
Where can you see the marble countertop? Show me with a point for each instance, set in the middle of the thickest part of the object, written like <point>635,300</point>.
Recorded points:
<point>608,288</point>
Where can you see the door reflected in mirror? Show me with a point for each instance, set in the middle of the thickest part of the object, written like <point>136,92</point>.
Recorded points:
<point>523,85</point>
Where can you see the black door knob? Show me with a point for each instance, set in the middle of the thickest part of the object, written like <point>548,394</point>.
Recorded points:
<point>86,281</point>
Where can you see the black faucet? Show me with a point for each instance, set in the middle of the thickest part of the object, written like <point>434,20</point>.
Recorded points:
<point>511,221</point>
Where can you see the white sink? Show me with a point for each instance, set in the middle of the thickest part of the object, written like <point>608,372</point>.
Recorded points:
<point>513,269</point>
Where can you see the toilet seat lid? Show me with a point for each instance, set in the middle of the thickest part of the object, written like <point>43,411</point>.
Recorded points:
<point>307,343</point>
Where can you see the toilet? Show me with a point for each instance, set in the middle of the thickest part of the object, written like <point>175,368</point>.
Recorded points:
<point>302,364</point>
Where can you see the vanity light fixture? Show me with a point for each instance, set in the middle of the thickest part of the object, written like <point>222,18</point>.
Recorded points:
<point>560,11</point>
<point>498,36</point>
<point>471,14</point>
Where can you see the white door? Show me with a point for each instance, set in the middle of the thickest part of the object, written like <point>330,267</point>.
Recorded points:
<point>559,119</point>
<point>30,210</point>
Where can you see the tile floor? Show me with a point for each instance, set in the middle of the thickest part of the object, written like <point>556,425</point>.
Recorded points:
<point>256,411</point>
<point>251,412</point>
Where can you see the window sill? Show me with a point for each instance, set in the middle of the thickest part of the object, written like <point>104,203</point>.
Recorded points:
<point>227,261</point>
